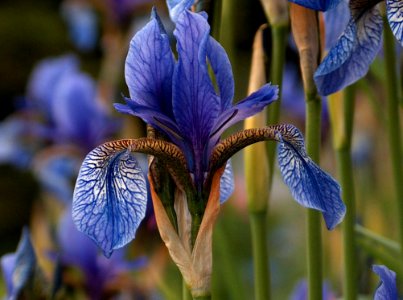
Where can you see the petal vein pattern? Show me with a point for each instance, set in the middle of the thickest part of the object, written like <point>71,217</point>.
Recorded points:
<point>309,185</point>
<point>350,58</point>
<point>110,196</point>
<point>395,18</point>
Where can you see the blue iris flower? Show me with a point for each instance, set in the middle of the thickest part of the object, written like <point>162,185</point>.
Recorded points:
<point>190,113</point>
<point>19,268</point>
<point>349,59</point>
<point>387,289</point>
<point>77,250</point>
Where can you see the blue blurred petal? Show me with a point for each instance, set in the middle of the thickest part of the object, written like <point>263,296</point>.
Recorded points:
<point>25,264</point>
<point>336,20</point>
<point>394,10</point>
<point>387,287</point>
<point>300,292</point>
<point>44,78</point>
<point>223,72</point>
<point>75,99</point>
<point>176,7</point>
<point>322,5</point>
<point>110,196</point>
<point>309,185</point>
<point>56,171</point>
<point>149,67</point>
<point>76,248</point>
<point>350,58</point>
<point>195,104</point>
<point>250,106</point>
<point>227,183</point>
<point>82,24</point>
<point>13,150</point>
<point>7,266</point>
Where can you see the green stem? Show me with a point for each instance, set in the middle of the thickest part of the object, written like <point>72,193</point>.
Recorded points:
<point>377,240</point>
<point>185,291</point>
<point>345,170</point>
<point>314,237</point>
<point>394,134</point>
<point>279,39</point>
<point>260,257</point>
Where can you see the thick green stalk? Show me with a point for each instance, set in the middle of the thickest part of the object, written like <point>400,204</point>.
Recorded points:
<point>260,257</point>
<point>279,38</point>
<point>314,239</point>
<point>345,170</point>
<point>394,134</point>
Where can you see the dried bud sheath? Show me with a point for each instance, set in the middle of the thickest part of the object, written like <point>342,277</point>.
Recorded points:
<point>276,11</point>
<point>305,29</point>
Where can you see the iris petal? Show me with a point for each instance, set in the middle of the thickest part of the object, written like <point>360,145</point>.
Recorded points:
<point>149,67</point>
<point>395,18</point>
<point>110,196</point>
<point>310,186</point>
<point>350,58</point>
<point>387,287</point>
<point>251,105</point>
<point>336,19</point>
<point>25,264</point>
<point>195,104</point>
<point>227,183</point>
<point>176,7</point>
<point>7,266</point>
<point>322,5</point>
<point>223,72</point>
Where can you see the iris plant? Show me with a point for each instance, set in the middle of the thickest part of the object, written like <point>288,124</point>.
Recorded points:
<point>350,57</point>
<point>188,115</point>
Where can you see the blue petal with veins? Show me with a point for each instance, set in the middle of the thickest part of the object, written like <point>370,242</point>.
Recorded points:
<point>7,263</point>
<point>221,66</point>
<point>149,67</point>
<point>195,103</point>
<point>110,196</point>
<point>227,183</point>
<point>322,5</point>
<point>350,58</point>
<point>309,185</point>
<point>387,287</point>
<point>394,11</point>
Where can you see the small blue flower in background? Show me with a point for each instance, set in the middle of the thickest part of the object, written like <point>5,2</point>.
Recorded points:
<point>19,268</point>
<point>387,289</point>
<point>179,100</point>
<point>300,292</point>
<point>44,78</point>
<point>349,59</point>
<point>77,250</point>
<point>82,22</point>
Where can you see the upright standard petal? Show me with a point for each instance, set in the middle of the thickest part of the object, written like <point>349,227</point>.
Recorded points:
<point>110,196</point>
<point>149,67</point>
<point>176,7</point>
<point>350,58</point>
<point>195,104</point>
<point>309,185</point>
<point>394,10</point>
<point>221,66</point>
<point>227,183</point>
<point>322,5</point>
<point>387,287</point>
